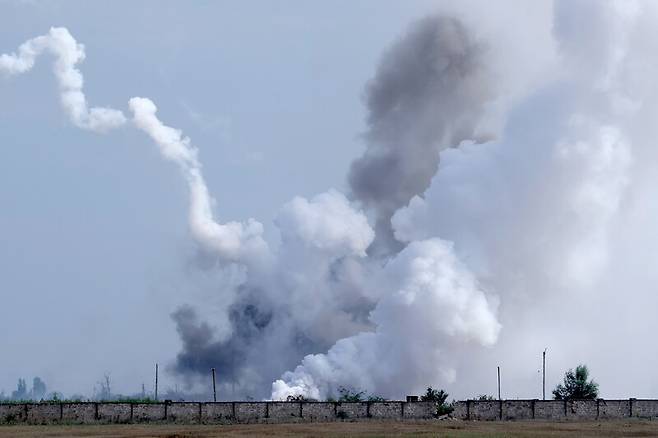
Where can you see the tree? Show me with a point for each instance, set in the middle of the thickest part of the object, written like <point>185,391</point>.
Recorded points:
<point>350,395</point>
<point>105,391</point>
<point>38,389</point>
<point>576,386</point>
<point>21,391</point>
<point>438,396</point>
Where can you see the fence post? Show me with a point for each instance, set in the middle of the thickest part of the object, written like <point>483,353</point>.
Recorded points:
<point>214,388</point>
<point>630,407</point>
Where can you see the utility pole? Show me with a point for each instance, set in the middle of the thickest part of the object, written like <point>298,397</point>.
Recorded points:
<point>156,382</point>
<point>499,383</point>
<point>233,377</point>
<point>543,375</point>
<point>214,390</point>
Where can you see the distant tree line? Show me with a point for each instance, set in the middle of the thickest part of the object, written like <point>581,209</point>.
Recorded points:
<point>39,391</point>
<point>576,385</point>
<point>102,391</point>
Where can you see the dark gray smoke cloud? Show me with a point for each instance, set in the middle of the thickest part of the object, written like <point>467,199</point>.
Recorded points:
<point>201,351</point>
<point>260,347</point>
<point>428,94</point>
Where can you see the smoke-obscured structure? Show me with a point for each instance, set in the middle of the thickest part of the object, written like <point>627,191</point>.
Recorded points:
<point>506,172</point>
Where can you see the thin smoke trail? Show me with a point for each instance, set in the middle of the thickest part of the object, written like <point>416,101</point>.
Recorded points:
<point>229,241</point>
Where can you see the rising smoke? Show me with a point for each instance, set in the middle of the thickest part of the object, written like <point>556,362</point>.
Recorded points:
<point>68,53</point>
<point>541,201</point>
<point>429,93</point>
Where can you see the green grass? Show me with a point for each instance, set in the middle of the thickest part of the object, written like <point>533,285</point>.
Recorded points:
<point>363,429</point>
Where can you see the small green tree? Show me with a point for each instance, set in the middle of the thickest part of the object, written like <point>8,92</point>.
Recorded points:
<point>350,394</point>
<point>438,396</point>
<point>354,395</point>
<point>576,386</point>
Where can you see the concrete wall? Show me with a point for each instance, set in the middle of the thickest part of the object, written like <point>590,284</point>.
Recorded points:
<point>550,410</point>
<point>220,412</point>
<point>555,409</point>
<point>286,412</point>
<point>517,409</point>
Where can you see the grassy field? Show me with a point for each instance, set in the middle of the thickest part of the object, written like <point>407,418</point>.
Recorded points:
<point>363,429</point>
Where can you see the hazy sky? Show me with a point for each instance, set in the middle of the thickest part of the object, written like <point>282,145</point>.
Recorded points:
<point>94,247</point>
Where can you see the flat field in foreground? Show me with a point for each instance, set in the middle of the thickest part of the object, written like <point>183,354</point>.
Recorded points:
<point>628,428</point>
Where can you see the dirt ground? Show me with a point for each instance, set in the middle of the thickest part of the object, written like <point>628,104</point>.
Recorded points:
<point>628,428</point>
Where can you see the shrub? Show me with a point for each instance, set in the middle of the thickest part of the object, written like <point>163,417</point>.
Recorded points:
<point>299,398</point>
<point>351,395</point>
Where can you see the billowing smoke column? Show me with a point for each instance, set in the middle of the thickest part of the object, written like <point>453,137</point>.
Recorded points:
<point>428,301</point>
<point>429,93</point>
<point>536,217</point>
<point>311,293</point>
<point>318,290</point>
<point>535,221</point>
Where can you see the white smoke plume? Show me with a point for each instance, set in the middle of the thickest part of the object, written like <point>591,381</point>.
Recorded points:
<point>68,53</point>
<point>423,281</point>
<point>535,216</point>
<point>232,241</point>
